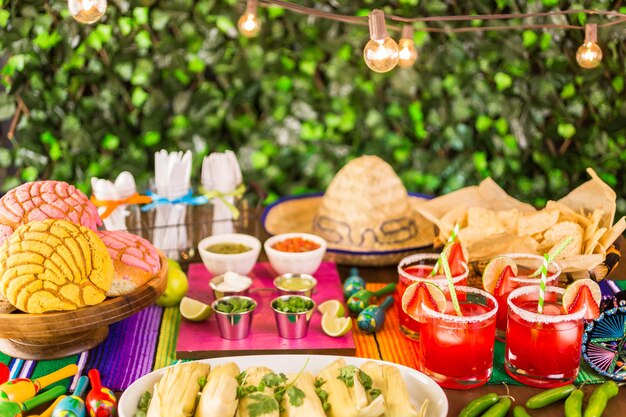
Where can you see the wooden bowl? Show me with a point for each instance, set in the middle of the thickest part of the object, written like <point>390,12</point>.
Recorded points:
<point>60,334</point>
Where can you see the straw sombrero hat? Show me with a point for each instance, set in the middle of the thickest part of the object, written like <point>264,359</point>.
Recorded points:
<point>366,215</point>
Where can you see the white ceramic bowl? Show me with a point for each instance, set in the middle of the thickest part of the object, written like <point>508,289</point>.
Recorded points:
<point>219,263</point>
<point>295,262</point>
<point>420,386</point>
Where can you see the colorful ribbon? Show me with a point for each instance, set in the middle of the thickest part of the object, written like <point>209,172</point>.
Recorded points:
<point>237,192</point>
<point>112,205</point>
<point>188,199</point>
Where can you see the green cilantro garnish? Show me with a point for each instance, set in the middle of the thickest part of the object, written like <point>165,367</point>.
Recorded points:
<point>346,374</point>
<point>293,304</point>
<point>202,381</point>
<point>261,404</point>
<point>322,394</point>
<point>365,380</point>
<point>273,380</point>
<point>296,396</point>
<point>375,392</point>
<point>234,306</point>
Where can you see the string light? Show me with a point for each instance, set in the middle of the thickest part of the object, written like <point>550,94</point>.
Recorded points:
<point>87,11</point>
<point>381,53</point>
<point>248,24</point>
<point>408,54</point>
<point>589,54</point>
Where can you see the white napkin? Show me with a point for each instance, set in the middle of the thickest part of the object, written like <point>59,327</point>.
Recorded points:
<point>221,172</point>
<point>171,176</point>
<point>123,187</point>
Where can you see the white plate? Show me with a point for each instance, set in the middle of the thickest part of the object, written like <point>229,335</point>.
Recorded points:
<point>419,385</point>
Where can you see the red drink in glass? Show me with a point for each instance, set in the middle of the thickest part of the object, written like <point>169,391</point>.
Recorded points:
<point>542,350</point>
<point>457,351</point>
<point>417,268</point>
<point>526,265</point>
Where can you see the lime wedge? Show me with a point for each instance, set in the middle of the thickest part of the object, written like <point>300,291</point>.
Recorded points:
<point>333,307</point>
<point>194,310</point>
<point>494,269</point>
<point>335,326</point>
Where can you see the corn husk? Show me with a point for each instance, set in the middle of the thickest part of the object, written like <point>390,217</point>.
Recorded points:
<point>219,396</point>
<point>348,402</point>
<point>175,394</point>
<point>311,406</point>
<point>389,381</point>
<point>254,375</point>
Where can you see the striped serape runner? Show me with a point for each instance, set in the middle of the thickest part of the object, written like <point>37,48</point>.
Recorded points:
<point>147,341</point>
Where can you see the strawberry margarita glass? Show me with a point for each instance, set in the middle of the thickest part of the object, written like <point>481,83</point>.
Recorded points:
<point>457,351</point>
<point>526,265</point>
<point>542,350</point>
<point>417,268</point>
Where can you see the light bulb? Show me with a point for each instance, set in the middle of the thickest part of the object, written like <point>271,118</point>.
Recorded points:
<point>87,11</point>
<point>407,54</point>
<point>589,54</point>
<point>248,24</point>
<point>381,53</point>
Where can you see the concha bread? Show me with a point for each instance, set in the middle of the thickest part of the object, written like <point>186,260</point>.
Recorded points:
<point>135,261</point>
<point>54,265</point>
<point>41,200</point>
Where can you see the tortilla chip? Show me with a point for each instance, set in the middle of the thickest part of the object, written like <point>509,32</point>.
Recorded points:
<point>571,250</point>
<point>480,218</point>
<point>566,214</point>
<point>560,231</point>
<point>509,219</point>
<point>591,244</point>
<point>531,224</point>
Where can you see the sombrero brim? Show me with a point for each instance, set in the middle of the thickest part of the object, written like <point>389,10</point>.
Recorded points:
<point>297,213</point>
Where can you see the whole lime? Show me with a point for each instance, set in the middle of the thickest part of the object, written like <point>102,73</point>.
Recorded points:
<point>172,264</point>
<point>177,286</point>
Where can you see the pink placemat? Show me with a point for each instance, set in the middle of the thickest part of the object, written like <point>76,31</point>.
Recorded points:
<point>202,340</point>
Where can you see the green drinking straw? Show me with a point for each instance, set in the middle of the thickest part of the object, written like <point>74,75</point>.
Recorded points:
<point>552,256</point>
<point>451,238</point>
<point>542,285</point>
<point>446,271</point>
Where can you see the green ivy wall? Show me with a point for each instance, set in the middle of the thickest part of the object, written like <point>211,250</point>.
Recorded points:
<point>298,101</point>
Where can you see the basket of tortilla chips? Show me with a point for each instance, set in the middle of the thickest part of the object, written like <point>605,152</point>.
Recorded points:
<point>492,223</point>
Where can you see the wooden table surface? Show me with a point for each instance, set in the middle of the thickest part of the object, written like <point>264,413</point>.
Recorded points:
<point>457,399</point>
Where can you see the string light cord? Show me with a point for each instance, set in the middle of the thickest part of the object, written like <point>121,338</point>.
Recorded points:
<point>362,20</point>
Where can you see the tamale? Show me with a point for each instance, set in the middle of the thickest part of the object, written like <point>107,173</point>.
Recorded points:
<point>388,380</point>
<point>311,406</point>
<point>175,394</point>
<point>348,401</point>
<point>261,402</point>
<point>219,396</point>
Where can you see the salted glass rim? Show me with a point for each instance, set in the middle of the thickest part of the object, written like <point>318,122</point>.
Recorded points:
<point>465,319</point>
<point>419,256</point>
<point>533,316</point>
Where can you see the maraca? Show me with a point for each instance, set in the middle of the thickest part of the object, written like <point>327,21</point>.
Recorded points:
<point>372,317</point>
<point>73,406</point>
<point>361,299</point>
<point>353,284</point>
<point>48,412</point>
<point>4,373</point>
<point>101,402</point>
<point>18,408</point>
<point>21,389</point>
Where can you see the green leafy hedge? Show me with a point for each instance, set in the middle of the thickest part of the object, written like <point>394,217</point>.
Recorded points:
<point>298,102</point>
